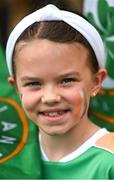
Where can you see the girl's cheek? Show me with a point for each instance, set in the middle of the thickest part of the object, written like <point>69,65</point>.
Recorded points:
<point>26,101</point>
<point>30,100</point>
<point>26,104</point>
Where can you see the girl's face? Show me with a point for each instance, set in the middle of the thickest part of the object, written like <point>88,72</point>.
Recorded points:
<point>55,83</point>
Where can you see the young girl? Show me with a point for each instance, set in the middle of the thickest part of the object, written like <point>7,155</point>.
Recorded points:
<point>56,63</point>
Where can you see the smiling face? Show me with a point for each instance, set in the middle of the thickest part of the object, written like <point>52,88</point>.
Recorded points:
<point>55,82</point>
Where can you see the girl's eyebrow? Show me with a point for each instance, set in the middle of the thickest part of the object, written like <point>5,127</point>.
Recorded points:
<point>28,78</point>
<point>77,74</point>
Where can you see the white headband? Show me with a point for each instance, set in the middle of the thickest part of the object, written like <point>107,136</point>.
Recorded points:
<point>50,13</point>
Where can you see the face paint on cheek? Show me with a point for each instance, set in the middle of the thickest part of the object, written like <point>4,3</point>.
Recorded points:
<point>79,104</point>
<point>25,102</point>
<point>22,101</point>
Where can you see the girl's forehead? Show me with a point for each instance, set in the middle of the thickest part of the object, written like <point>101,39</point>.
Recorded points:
<point>48,45</point>
<point>46,50</point>
<point>47,57</point>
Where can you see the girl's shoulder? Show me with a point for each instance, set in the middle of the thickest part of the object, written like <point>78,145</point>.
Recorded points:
<point>106,142</point>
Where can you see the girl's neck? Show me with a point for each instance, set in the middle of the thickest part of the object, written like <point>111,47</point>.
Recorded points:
<point>57,147</point>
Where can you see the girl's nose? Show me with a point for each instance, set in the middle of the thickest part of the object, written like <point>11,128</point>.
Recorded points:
<point>50,97</point>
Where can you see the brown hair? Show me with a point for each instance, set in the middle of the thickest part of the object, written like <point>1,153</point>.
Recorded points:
<point>57,31</point>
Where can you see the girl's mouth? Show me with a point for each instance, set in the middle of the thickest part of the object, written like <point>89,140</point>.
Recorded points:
<point>54,113</point>
<point>54,116</point>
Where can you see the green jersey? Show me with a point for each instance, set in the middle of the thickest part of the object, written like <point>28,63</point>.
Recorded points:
<point>93,160</point>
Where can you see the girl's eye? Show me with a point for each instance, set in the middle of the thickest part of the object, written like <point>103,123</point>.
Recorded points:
<point>33,84</point>
<point>67,81</point>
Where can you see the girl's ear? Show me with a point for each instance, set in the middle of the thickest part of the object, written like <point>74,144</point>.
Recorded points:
<point>102,73</point>
<point>11,80</point>
<point>97,81</point>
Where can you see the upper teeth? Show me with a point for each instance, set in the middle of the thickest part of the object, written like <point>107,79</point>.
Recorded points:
<point>53,113</point>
